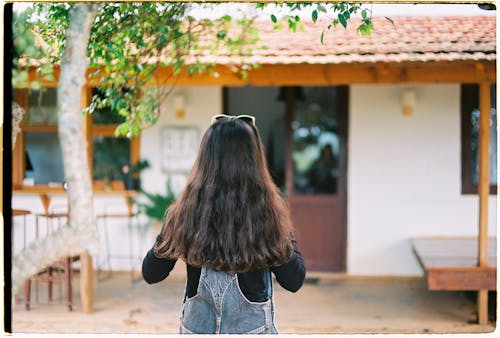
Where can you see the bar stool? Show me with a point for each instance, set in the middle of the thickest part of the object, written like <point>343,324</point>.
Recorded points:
<point>59,271</point>
<point>131,216</point>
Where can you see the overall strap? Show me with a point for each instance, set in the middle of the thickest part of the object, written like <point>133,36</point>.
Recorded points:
<point>268,282</point>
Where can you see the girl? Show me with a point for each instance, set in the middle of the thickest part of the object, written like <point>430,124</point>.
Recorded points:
<point>232,228</point>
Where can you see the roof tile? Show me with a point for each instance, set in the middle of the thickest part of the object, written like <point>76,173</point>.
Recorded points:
<point>410,39</point>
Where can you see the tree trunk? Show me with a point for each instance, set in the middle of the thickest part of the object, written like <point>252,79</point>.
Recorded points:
<point>80,237</point>
<point>72,78</point>
<point>73,143</point>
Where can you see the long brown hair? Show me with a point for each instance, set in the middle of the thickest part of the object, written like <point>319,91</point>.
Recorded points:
<point>230,215</point>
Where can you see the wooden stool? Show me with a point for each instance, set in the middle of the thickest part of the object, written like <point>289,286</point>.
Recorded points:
<point>53,274</point>
<point>58,272</point>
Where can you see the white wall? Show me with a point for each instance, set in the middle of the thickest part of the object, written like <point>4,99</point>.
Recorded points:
<point>201,104</point>
<point>404,177</point>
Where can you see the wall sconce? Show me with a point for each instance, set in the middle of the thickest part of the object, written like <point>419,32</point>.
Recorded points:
<point>179,102</point>
<point>408,101</point>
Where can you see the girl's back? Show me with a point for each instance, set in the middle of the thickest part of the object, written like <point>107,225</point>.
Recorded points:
<point>230,221</point>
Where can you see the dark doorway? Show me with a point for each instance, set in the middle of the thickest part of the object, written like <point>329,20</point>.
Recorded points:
<point>304,131</point>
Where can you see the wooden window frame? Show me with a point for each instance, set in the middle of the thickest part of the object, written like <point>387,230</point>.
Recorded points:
<point>90,131</point>
<point>469,99</point>
<point>106,130</point>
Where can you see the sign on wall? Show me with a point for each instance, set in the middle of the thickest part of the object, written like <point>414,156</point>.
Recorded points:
<point>179,146</point>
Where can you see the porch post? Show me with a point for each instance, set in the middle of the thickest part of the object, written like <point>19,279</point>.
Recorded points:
<point>483,192</point>
<point>86,267</point>
<point>289,110</point>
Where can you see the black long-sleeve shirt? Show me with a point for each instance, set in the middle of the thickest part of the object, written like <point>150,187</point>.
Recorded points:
<point>289,275</point>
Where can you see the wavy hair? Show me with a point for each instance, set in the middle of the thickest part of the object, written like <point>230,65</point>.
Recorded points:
<point>231,215</point>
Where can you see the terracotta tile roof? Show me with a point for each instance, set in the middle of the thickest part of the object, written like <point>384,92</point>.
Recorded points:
<point>411,39</point>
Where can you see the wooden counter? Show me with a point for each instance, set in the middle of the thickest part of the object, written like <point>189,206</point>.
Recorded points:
<point>45,192</point>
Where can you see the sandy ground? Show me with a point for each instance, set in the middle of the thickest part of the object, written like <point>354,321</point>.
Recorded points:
<point>330,304</point>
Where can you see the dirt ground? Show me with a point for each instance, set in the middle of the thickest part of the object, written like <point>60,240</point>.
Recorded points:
<point>327,303</point>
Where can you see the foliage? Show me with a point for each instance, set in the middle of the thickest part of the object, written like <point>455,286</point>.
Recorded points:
<point>336,13</point>
<point>129,42</point>
<point>139,166</point>
<point>156,205</point>
<point>25,47</point>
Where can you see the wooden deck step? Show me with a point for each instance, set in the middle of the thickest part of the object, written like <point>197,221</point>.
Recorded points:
<point>450,263</point>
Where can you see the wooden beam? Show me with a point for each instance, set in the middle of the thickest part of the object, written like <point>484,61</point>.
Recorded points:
<point>484,169</point>
<point>18,161</point>
<point>289,112</point>
<point>86,267</point>
<point>88,128</point>
<point>135,150</point>
<point>328,74</point>
<point>483,190</point>
<point>18,153</point>
<point>344,74</point>
<point>472,278</point>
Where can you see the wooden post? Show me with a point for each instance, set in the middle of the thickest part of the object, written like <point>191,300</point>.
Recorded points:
<point>86,267</point>
<point>87,127</point>
<point>289,110</point>
<point>86,282</point>
<point>483,192</point>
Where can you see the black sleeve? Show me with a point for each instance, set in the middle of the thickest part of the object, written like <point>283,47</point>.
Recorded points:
<point>291,274</point>
<point>155,269</point>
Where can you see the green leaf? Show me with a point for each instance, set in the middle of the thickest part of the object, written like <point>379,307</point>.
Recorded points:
<point>342,20</point>
<point>322,36</point>
<point>321,8</point>
<point>389,19</point>
<point>273,18</point>
<point>363,13</point>
<point>314,15</point>
<point>221,34</point>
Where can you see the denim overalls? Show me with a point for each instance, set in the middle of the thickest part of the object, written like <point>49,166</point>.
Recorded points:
<point>219,306</point>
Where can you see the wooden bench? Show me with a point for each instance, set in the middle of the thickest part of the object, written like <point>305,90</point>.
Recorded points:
<point>451,263</point>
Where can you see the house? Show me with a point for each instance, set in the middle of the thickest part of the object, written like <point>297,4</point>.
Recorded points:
<point>397,111</point>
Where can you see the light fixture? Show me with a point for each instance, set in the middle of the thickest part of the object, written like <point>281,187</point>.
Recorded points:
<point>408,101</point>
<point>179,102</point>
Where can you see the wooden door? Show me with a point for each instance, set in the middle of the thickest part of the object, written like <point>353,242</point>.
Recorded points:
<point>316,173</point>
<point>318,204</point>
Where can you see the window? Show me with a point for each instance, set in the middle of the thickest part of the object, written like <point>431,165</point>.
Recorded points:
<point>316,140</point>
<point>110,154</point>
<point>470,138</point>
<point>37,154</point>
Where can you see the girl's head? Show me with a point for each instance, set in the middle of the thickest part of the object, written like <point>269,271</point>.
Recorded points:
<point>231,215</point>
